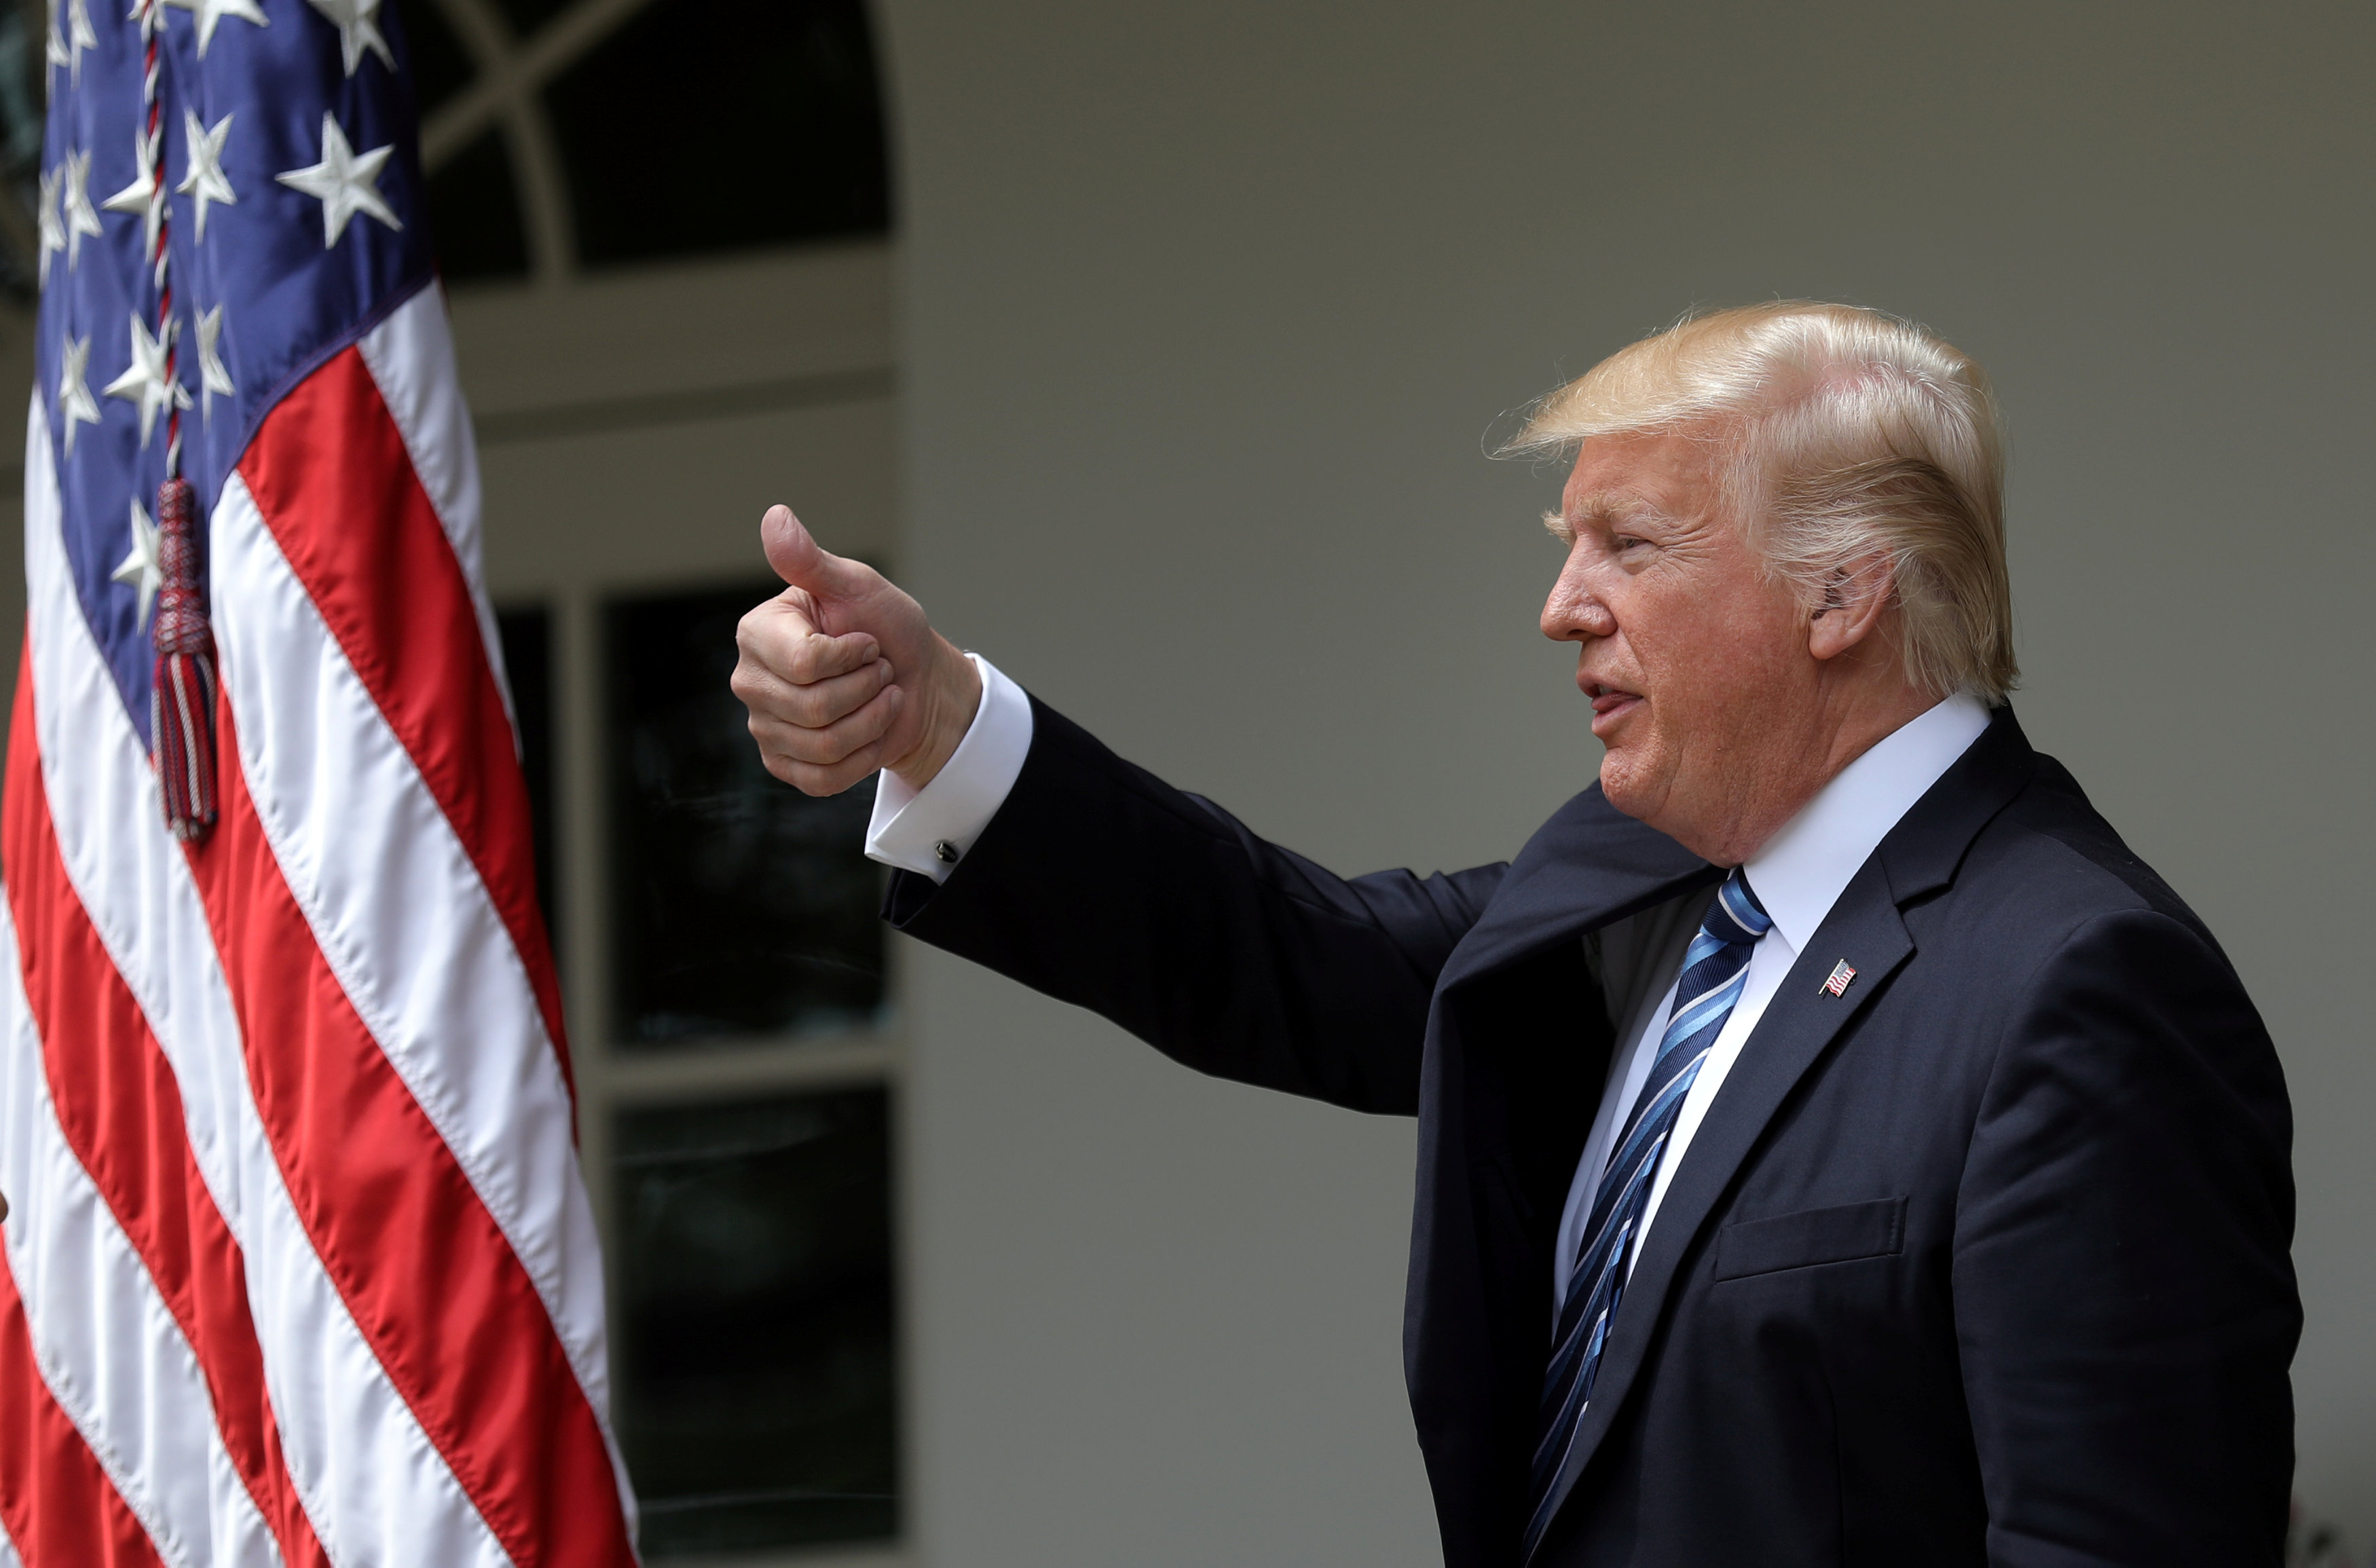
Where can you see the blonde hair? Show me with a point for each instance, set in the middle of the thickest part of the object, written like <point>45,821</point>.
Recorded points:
<point>1844,438</point>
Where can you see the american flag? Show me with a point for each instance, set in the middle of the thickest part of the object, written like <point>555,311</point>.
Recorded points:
<point>300,1267</point>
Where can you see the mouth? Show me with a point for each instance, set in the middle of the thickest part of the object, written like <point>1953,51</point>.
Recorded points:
<point>1609,705</point>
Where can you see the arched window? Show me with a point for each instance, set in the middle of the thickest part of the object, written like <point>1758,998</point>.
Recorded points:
<point>567,135</point>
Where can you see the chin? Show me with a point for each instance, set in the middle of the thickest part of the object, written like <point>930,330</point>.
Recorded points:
<point>1622,782</point>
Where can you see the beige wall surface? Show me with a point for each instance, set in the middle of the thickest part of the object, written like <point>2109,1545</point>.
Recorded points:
<point>1208,312</point>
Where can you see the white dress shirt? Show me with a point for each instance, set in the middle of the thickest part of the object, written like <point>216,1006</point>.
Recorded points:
<point>1797,876</point>
<point>928,831</point>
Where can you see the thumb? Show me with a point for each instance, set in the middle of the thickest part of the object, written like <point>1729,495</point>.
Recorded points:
<point>798,559</point>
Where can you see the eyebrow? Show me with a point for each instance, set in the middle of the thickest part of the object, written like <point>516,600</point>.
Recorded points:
<point>1609,508</point>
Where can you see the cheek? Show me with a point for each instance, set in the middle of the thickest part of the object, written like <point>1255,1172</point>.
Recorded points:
<point>1719,649</point>
<point>1681,646</point>
<point>1765,648</point>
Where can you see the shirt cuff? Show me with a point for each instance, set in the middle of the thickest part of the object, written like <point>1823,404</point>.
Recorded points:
<point>928,831</point>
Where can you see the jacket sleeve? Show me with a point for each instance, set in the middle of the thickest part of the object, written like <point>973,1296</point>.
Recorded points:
<point>1101,886</point>
<point>2124,1294</point>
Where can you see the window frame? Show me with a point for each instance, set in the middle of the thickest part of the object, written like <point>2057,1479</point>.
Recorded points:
<point>825,352</point>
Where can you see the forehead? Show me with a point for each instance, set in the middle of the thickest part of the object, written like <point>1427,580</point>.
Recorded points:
<point>1636,473</point>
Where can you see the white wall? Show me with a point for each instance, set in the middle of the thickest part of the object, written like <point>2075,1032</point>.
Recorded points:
<point>1207,309</point>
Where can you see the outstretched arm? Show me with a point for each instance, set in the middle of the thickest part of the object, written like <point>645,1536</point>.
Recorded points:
<point>1095,882</point>
<point>1101,884</point>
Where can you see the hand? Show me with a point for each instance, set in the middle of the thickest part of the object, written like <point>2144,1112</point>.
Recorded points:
<point>843,675</point>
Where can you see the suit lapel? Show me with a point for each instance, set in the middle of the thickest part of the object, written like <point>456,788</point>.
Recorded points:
<point>1865,930</point>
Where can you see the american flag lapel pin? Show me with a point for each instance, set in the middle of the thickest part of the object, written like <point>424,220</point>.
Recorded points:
<point>1837,985</point>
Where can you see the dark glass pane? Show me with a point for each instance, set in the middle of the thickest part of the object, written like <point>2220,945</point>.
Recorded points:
<point>527,634</point>
<point>757,1400</point>
<point>527,16</point>
<point>740,906</point>
<point>474,213</point>
<point>441,67</point>
<point>22,106</point>
<point>703,124</point>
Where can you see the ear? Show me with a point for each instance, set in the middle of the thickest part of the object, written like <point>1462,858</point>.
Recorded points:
<point>1853,601</point>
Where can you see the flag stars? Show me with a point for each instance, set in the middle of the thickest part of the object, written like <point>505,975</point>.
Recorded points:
<point>75,405</point>
<point>54,233</point>
<point>67,43</point>
<point>357,25</point>
<point>146,381</point>
<point>75,213</point>
<point>208,15</point>
<point>344,182</point>
<point>213,374</point>
<point>141,197</point>
<point>206,182</point>
<point>141,571</point>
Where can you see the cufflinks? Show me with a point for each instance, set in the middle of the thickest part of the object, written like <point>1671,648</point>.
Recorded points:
<point>945,852</point>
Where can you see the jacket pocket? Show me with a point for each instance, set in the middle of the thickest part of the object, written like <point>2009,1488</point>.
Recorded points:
<point>1810,1236</point>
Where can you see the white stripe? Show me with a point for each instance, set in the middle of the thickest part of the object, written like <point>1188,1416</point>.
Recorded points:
<point>1709,1005</point>
<point>107,1346</point>
<point>376,1489</point>
<point>410,357</point>
<point>407,925</point>
<point>1649,1108</point>
<point>1701,1000</point>
<point>8,1557</point>
<point>1618,1205</point>
<point>1683,1015</point>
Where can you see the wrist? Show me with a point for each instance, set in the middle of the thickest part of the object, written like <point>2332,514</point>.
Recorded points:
<point>951,694</point>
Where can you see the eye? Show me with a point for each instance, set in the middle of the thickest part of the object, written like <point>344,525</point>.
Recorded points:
<point>1626,542</point>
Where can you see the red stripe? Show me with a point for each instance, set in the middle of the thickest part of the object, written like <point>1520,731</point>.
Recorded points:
<point>122,1113</point>
<point>60,1508</point>
<point>329,472</point>
<point>428,1276</point>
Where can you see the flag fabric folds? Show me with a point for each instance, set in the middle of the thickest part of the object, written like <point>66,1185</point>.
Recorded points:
<point>300,1267</point>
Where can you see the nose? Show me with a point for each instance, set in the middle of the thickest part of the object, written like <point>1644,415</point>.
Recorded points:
<point>1574,613</point>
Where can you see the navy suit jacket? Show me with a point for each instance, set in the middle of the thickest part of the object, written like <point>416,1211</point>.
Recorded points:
<point>1984,1261</point>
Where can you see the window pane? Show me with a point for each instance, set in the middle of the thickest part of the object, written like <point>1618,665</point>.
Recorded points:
<point>757,1400</point>
<point>526,631</point>
<point>740,906</point>
<point>474,214</point>
<point>704,125</point>
<point>22,87</point>
<point>527,16</point>
<point>441,67</point>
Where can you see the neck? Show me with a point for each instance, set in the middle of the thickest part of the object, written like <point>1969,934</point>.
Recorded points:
<point>1794,763</point>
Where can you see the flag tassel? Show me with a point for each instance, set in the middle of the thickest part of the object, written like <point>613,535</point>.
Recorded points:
<point>182,704</point>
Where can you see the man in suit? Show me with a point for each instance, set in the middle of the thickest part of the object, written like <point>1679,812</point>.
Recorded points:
<point>1835,1146</point>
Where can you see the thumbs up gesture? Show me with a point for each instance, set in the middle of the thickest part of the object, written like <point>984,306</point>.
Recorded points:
<point>843,675</point>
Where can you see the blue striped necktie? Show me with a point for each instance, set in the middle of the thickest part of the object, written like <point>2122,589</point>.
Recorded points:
<point>1713,968</point>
